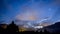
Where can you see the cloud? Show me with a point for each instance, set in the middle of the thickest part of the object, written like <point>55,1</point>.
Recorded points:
<point>27,16</point>
<point>29,10</point>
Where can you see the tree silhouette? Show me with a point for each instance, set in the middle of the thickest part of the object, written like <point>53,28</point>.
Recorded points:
<point>12,27</point>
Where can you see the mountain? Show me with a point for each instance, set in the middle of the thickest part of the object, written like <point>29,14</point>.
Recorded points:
<point>54,28</point>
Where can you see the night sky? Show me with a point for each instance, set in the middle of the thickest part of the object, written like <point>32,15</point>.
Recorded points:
<point>29,10</point>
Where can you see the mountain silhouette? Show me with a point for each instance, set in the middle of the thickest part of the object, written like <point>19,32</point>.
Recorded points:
<point>54,28</point>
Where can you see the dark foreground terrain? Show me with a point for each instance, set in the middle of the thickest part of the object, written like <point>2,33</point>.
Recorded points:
<point>12,28</point>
